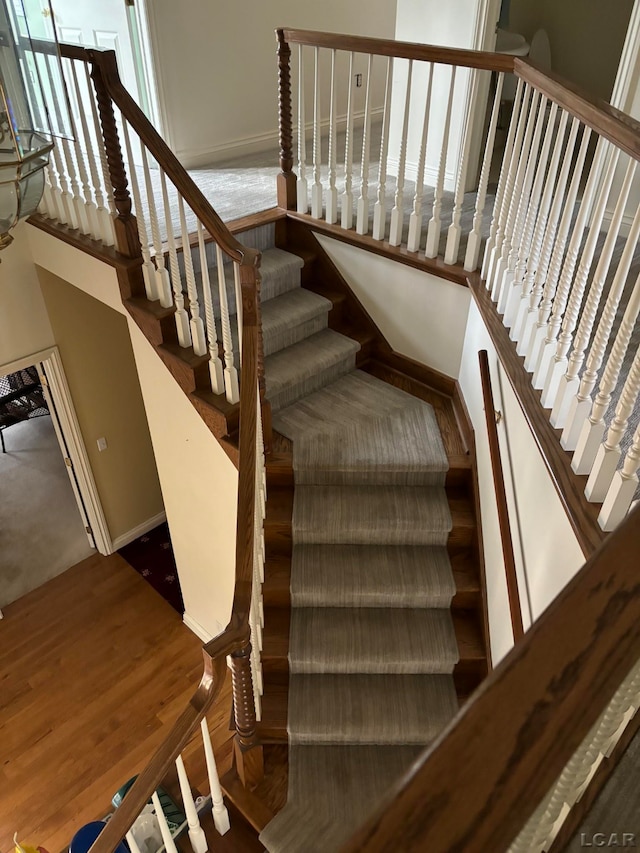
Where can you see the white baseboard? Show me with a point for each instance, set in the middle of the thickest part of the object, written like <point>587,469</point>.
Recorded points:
<point>140,530</point>
<point>193,625</point>
<point>430,174</point>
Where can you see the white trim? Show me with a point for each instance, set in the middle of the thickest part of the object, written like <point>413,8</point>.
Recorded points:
<point>70,428</point>
<point>199,631</point>
<point>628,61</point>
<point>194,158</point>
<point>138,530</point>
<point>430,173</point>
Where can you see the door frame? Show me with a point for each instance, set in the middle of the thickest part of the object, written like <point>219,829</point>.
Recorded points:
<point>70,439</point>
<point>629,61</point>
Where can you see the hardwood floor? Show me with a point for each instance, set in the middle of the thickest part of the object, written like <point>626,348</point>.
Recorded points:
<point>94,667</point>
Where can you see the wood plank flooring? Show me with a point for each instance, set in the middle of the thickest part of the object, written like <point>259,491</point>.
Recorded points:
<point>94,668</point>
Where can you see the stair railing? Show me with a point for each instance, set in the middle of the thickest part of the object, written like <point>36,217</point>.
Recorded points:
<point>506,771</point>
<point>116,181</point>
<point>556,237</point>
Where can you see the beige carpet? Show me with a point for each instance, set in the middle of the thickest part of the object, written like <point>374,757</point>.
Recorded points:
<point>41,532</point>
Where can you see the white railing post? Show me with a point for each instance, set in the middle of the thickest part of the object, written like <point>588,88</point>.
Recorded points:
<point>181,316</point>
<point>89,214</point>
<point>582,403</point>
<point>362,216</point>
<point>539,329</point>
<point>519,200</point>
<point>380,208</point>
<point>558,363</point>
<point>475,237</point>
<point>215,365</point>
<point>433,229</point>
<point>623,487</point>
<point>198,339</point>
<point>533,213</point>
<point>415,220</point>
<point>500,204</point>
<point>316,188</point>
<point>594,427</point>
<point>609,453</point>
<point>570,381</point>
<point>346,209</point>
<point>218,809</point>
<point>332,193</point>
<point>230,373</point>
<point>163,281</point>
<point>169,843</point>
<point>196,833</point>
<point>397,213</point>
<point>301,186</point>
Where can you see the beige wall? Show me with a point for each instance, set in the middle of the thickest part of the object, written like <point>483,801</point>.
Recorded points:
<point>98,361</point>
<point>223,100</point>
<point>24,324</point>
<point>586,37</point>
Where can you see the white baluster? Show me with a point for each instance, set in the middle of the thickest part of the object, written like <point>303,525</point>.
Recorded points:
<point>379,208</point>
<point>532,214</point>
<point>230,373</point>
<point>558,365</point>
<point>181,316</point>
<point>316,188</point>
<point>56,207</point>
<point>594,427</point>
<point>539,330</point>
<point>454,233</point>
<point>582,403</point>
<point>219,810</point>
<point>198,339</point>
<point>133,844</point>
<point>238,290</point>
<point>196,833</point>
<point>397,214</point>
<point>623,487</point>
<point>509,180</point>
<point>47,203</point>
<point>98,210</point>
<point>610,452</point>
<point>346,210</point>
<point>362,216</point>
<point>519,199</point>
<point>541,220</point>
<point>501,204</point>
<point>433,230</point>
<point>415,220</point>
<point>569,383</point>
<point>108,213</point>
<point>148,269</point>
<point>169,843</point>
<point>475,237</point>
<point>163,281</point>
<point>215,365</point>
<point>88,212</point>
<point>301,186</point>
<point>331,214</point>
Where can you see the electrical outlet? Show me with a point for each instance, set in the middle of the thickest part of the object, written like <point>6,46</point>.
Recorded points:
<point>102,443</point>
<point>358,81</point>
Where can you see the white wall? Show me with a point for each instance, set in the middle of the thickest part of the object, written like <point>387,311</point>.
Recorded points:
<point>422,316</point>
<point>198,482</point>
<point>24,322</point>
<point>546,550</point>
<point>216,66</point>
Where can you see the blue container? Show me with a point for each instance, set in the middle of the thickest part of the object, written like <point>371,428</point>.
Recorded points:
<point>87,834</point>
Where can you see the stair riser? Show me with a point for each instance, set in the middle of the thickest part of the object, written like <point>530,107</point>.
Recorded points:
<point>371,478</point>
<point>295,391</point>
<point>281,340</point>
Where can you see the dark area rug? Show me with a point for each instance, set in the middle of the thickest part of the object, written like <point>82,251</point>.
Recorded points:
<point>151,556</point>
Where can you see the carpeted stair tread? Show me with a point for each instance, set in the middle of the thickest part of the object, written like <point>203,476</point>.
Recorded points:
<point>371,576</point>
<point>343,784</point>
<point>372,640</point>
<point>371,515</point>
<point>308,365</point>
<point>290,318</point>
<point>369,708</point>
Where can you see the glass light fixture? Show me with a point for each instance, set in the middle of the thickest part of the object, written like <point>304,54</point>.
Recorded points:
<point>25,137</point>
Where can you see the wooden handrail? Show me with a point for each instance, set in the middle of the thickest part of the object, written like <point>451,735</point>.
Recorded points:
<point>515,608</point>
<point>476,787</point>
<point>485,60</point>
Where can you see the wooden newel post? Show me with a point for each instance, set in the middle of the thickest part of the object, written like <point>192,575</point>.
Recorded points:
<point>247,750</point>
<point>103,65</point>
<point>286,181</point>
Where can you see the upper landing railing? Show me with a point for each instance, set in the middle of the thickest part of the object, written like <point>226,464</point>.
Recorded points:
<point>389,137</point>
